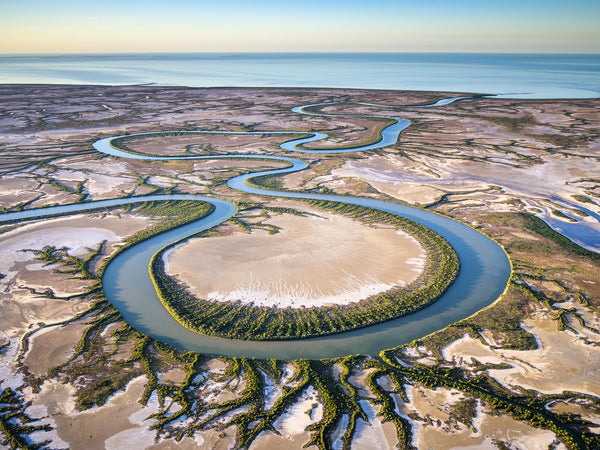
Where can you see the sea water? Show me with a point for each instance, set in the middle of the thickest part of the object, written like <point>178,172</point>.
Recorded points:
<point>514,75</point>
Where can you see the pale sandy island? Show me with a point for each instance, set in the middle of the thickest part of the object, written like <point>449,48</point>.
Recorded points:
<point>310,262</point>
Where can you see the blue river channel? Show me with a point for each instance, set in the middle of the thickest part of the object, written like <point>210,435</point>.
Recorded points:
<point>485,267</point>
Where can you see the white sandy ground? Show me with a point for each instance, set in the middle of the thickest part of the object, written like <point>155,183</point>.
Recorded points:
<point>41,412</point>
<point>14,186</point>
<point>57,232</point>
<point>564,362</point>
<point>119,424</point>
<point>19,311</point>
<point>310,262</point>
<point>272,391</point>
<point>552,175</point>
<point>295,418</point>
<point>52,346</point>
<point>373,435</point>
<point>558,176</point>
<point>21,308</point>
<point>77,239</point>
<point>9,377</point>
<point>435,427</point>
<point>437,430</point>
<point>78,233</point>
<point>98,184</point>
<point>101,180</point>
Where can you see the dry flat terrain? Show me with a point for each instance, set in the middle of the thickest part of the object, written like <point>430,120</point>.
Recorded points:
<point>314,261</point>
<point>522,373</point>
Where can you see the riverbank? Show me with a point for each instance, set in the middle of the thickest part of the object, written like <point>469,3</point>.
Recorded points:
<point>431,399</point>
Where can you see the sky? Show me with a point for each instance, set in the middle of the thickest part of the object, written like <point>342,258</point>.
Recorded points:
<point>131,26</point>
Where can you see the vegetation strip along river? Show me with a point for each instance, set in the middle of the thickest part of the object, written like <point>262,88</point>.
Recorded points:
<point>485,268</point>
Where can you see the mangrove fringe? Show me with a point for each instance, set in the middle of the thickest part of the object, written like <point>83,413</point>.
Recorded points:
<point>235,320</point>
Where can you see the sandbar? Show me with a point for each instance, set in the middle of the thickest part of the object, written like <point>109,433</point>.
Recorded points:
<point>312,261</point>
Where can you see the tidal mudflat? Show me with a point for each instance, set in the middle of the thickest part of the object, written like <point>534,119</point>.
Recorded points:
<point>495,378</point>
<point>312,261</point>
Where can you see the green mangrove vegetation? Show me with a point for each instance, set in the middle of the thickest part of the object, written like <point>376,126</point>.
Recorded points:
<point>16,424</point>
<point>541,228</point>
<point>572,431</point>
<point>110,353</point>
<point>240,321</point>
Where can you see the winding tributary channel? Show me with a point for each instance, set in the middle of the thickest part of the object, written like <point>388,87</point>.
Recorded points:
<point>485,268</point>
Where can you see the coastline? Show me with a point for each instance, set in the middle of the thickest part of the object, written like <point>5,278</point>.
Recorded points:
<point>513,74</point>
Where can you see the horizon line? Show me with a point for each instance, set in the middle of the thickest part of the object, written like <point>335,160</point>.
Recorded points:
<point>293,52</point>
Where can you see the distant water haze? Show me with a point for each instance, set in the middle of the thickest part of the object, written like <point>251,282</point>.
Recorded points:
<point>511,75</point>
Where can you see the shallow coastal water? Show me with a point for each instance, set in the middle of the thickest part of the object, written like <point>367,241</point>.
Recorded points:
<point>514,75</point>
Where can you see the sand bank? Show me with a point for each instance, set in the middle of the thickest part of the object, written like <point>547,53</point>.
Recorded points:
<point>310,262</point>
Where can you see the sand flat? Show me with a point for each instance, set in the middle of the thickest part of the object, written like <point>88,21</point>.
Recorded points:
<point>52,346</point>
<point>563,362</point>
<point>310,262</point>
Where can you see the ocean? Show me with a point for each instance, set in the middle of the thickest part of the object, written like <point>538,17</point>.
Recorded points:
<point>511,75</point>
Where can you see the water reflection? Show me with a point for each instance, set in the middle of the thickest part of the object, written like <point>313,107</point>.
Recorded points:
<point>514,75</point>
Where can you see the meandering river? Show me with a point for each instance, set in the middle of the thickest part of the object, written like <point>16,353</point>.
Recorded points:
<point>485,268</point>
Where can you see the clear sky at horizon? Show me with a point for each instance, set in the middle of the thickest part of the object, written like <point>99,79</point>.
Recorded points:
<point>42,26</point>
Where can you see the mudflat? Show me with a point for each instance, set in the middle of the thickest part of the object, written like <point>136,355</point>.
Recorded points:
<point>312,261</point>
<point>499,165</point>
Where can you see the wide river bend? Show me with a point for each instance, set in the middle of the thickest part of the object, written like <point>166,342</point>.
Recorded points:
<point>485,268</point>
